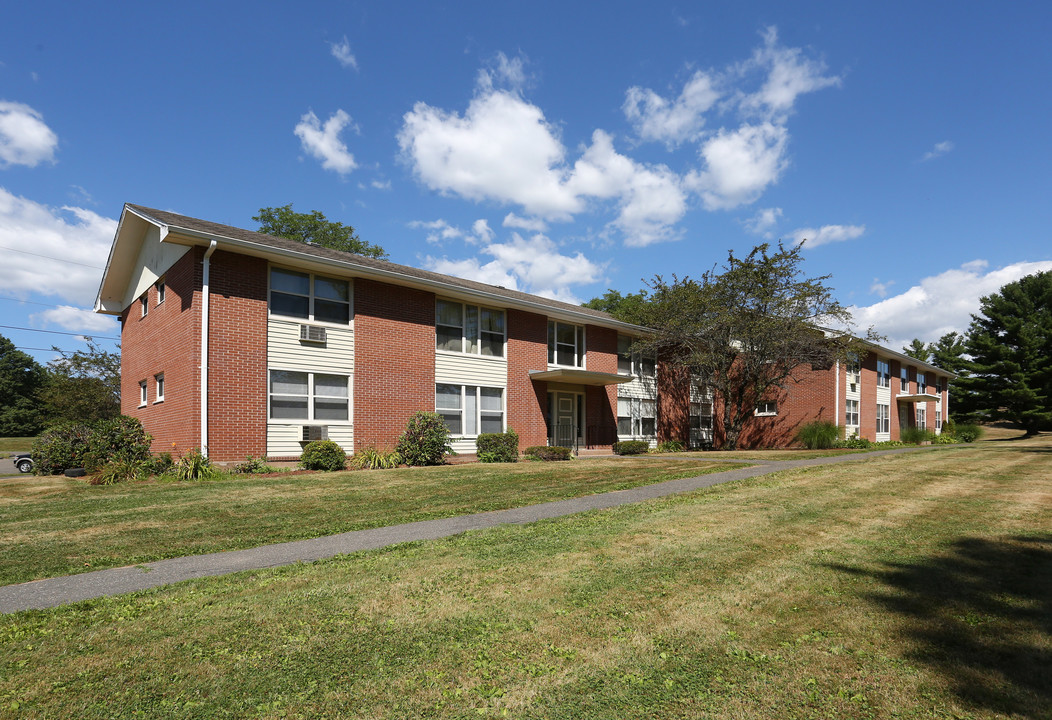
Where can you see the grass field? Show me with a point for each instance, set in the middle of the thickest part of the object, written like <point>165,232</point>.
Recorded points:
<point>9,445</point>
<point>58,526</point>
<point>907,586</point>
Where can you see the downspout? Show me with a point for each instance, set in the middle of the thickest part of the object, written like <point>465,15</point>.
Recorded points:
<point>204,347</point>
<point>836,395</point>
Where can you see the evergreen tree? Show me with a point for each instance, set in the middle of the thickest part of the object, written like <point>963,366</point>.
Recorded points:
<point>917,350</point>
<point>948,353</point>
<point>314,228</point>
<point>1010,344</point>
<point>21,378</point>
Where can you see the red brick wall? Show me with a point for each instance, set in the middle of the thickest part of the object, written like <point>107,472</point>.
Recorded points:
<point>167,340</point>
<point>673,401</point>
<point>867,405</point>
<point>600,401</point>
<point>394,368</point>
<point>811,398</point>
<point>237,357</point>
<point>527,400</point>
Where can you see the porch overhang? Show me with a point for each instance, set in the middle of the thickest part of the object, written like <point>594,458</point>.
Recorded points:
<point>918,398</point>
<point>579,377</point>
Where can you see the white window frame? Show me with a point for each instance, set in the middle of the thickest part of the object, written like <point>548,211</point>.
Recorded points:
<point>479,334</point>
<point>766,409</point>
<point>904,379</point>
<point>311,399</point>
<point>883,373</point>
<point>311,297</point>
<point>922,384</point>
<point>883,418</point>
<point>854,368</point>
<point>553,344</point>
<point>143,393</point>
<point>144,305</point>
<point>638,412</point>
<point>938,419</point>
<point>161,291</point>
<point>921,416</point>
<point>158,387</point>
<point>475,402</point>
<point>851,412</point>
<point>638,365</point>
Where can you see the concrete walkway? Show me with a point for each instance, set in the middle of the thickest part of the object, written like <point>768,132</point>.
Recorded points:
<point>52,592</point>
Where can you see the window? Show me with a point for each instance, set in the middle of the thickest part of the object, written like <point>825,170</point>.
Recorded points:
<point>883,373</point>
<point>469,329</point>
<point>565,344</point>
<point>636,417</point>
<point>883,418</point>
<point>904,380</point>
<point>767,408</point>
<point>701,416</point>
<point>144,304</point>
<point>938,419</point>
<point>160,291</point>
<point>922,414</point>
<point>158,381</point>
<point>142,393</point>
<point>309,297</point>
<point>853,369</point>
<point>469,409</point>
<point>851,413</point>
<point>938,385</point>
<point>630,363</point>
<point>308,396</point>
<point>922,385</point>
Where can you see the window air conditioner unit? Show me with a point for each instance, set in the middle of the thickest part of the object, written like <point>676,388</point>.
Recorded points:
<point>312,333</point>
<point>315,432</point>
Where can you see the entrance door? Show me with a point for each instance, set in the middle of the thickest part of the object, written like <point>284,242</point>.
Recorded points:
<point>566,419</point>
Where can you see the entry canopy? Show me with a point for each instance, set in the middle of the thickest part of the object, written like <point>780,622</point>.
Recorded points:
<point>917,398</point>
<point>580,377</point>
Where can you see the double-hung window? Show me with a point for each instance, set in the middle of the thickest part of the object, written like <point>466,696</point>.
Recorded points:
<point>309,297</point>
<point>938,419</point>
<point>160,291</point>
<point>144,305</point>
<point>853,375</point>
<point>922,384</point>
<point>701,416</point>
<point>766,408</point>
<point>851,413</point>
<point>904,380</point>
<point>633,363</point>
<point>143,396</point>
<point>469,329</point>
<point>469,410</point>
<point>158,381</point>
<point>922,416</point>
<point>636,417</point>
<point>883,418</point>
<point>565,344</point>
<point>298,395</point>
<point>883,373</point>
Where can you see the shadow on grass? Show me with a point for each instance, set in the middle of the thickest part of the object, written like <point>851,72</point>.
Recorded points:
<point>981,616</point>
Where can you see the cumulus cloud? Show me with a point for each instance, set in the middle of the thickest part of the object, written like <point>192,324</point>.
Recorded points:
<point>531,264</point>
<point>24,137</point>
<point>880,288</point>
<point>940,303</point>
<point>763,222</point>
<point>80,237</point>
<point>826,234</point>
<point>788,75</point>
<point>939,150</point>
<point>512,220</point>
<point>439,231</point>
<point>739,165</point>
<point>671,121</point>
<point>323,141</point>
<point>342,52</point>
<point>78,320</point>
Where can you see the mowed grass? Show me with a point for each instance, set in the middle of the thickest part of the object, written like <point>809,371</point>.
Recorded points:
<point>58,526</point>
<point>15,444</point>
<point>906,586</point>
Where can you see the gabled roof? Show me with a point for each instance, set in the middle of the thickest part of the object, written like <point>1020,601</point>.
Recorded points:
<point>291,252</point>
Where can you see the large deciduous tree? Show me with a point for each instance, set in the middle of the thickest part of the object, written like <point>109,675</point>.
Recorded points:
<point>21,378</point>
<point>83,386</point>
<point>314,228</point>
<point>1010,344</point>
<point>747,330</point>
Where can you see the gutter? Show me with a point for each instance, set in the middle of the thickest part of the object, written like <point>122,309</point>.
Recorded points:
<point>204,346</point>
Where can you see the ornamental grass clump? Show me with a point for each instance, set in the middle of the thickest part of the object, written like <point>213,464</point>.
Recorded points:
<point>818,435</point>
<point>372,459</point>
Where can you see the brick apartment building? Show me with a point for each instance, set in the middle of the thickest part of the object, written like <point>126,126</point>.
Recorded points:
<point>242,343</point>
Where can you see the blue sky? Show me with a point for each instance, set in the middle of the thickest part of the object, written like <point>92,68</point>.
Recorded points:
<point>560,148</point>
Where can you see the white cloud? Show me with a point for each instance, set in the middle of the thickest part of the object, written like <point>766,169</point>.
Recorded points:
<point>512,220</point>
<point>78,320</point>
<point>69,247</point>
<point>438,231</point>
<point>509,73</point>
<point>739,165</point>
<point>531,264</point>
<point>671,121</point>
<point>342,52</point>
<point>826,234</point>
<point>763,222</point>
<point>789,75</point>
<point>24,137</point>
<point>323,141</point>
<point>481,230</point>
<point>381,184</point>
<point>880,288</point>
<point>940,303</point>
<point>939,150</point>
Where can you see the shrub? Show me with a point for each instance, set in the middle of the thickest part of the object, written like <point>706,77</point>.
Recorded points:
<point>117,471</point>
<point>854,443</point>
<point>425,440</point>
<point>818,435</point>
<point>944,439</point>
<point>60,447</point>
<point>548,453</point>
<point>670,446</point>
<point>631,447</point>
<point>195,466</point>
<point>254,466</point>
<point>118,440</point>
<point>949,427</point>
<point>372,459</point>
<point>323,455</point>
<point>159,464</point>
<point>968,432</point>
<point>915,435</point>
<point>498,447</point>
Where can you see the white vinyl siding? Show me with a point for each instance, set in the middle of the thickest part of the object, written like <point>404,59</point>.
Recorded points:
<point>633,363</point>
<point>462,369</point>
<point>285,440</point>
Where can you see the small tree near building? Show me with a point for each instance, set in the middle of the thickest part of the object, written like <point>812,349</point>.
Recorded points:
<point>83,386</point>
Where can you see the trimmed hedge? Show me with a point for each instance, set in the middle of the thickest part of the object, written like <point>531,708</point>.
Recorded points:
<point>498,447</point>
<point>91,445</point>
<point>631,447</point>
<point>323,455</point>
<point>548,453</point>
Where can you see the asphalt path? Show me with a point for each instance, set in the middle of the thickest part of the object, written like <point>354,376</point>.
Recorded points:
<point>53,592</point>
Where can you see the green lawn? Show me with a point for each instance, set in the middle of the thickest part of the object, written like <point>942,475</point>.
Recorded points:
<point>57,526</point>
<point>9,445</point>
<point>908,586</point>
